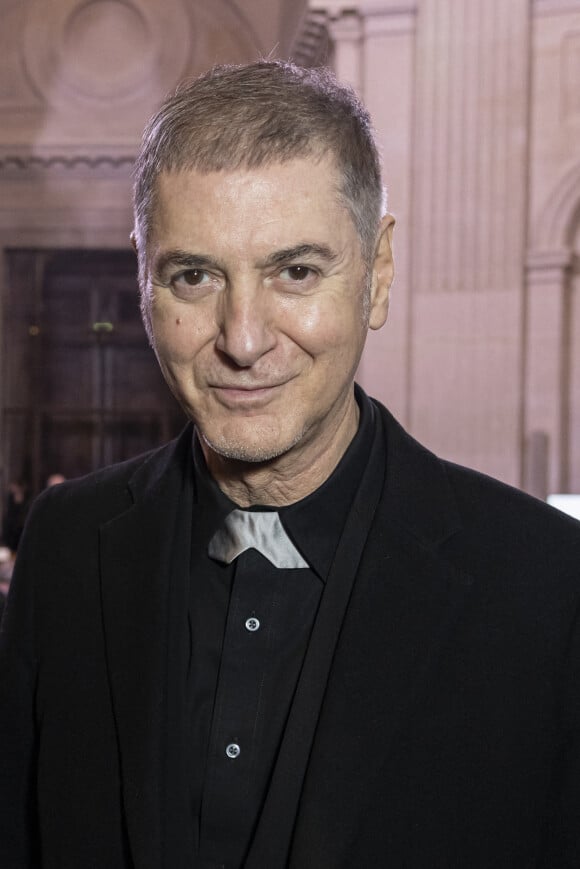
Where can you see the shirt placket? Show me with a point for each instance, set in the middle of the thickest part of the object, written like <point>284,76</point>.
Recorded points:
<point>249,642</point>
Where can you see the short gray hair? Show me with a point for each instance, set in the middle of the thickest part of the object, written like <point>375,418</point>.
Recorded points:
<point>258,114</point>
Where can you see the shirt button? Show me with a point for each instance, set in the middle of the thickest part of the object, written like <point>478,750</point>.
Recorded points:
<point>252,624</point>
<point>233,750</point>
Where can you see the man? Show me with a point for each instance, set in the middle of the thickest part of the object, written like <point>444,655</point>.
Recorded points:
<point>294,637</point>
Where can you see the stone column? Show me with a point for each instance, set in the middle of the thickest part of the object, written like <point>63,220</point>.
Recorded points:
<point>547,372</point>
<point>469,230</point>
<point>388,74</point>
<point>471,123</point>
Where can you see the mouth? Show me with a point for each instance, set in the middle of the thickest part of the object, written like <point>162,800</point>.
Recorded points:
<point>236,395</point>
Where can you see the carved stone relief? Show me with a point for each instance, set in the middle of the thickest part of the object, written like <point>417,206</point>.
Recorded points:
<point>87,73</point>
<point>15,89</point>
<point>103,50</point>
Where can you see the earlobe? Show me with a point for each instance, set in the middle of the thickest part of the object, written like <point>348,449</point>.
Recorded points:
<point>382,274</point>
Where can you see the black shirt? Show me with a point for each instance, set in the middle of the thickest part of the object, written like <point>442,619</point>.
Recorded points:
<point>248,629</point>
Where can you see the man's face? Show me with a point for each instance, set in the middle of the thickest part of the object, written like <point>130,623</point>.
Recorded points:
<point>258,309</point>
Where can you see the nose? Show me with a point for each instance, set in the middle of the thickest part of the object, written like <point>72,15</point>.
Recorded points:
<point>245,327</point>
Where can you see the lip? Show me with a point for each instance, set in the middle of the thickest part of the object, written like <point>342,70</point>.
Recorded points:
<point>233,395</point>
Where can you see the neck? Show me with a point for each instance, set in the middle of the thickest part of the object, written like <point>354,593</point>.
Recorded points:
<point>287,478</point>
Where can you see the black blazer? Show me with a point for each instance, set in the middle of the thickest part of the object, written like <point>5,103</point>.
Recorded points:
<point>437,720</point>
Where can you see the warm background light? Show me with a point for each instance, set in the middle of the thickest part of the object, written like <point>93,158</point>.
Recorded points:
<point>477,109</point>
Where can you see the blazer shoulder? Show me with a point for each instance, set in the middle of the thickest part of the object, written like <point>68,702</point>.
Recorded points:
<point>482,523</point>
<point>514,540</point>
<point>480,497</point>
<point>107,491</point>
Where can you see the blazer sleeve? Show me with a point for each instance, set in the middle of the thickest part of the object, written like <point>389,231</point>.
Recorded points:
<point>19,837</point>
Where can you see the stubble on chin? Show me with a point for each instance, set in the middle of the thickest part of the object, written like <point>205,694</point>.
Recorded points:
<point>239,451</point>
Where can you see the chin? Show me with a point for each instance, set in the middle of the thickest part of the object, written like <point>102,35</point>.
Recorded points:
<point>249,450</point>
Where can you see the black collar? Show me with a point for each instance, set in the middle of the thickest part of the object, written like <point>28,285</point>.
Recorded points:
<point>315,523</point>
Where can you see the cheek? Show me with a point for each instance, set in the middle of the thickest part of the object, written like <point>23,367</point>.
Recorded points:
<point>179,336</point>
<point>328,330</point>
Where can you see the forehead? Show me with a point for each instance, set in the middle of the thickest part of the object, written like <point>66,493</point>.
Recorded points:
<point>300,193</point>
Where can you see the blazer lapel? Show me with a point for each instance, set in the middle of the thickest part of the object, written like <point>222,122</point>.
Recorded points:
<point>136,550</point>
<point>406,605</point>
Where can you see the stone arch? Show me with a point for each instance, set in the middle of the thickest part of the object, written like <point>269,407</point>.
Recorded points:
<point>558,221</point>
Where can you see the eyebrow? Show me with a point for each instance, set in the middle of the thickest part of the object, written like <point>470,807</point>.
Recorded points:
<point>178,257</point>
<point>183,259</point>
<point>299,251</point>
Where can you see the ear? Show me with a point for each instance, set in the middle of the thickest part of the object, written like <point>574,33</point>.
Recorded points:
<point>133,240</point>
<point>383,272</point>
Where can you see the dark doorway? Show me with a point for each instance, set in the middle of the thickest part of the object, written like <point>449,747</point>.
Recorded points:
<point>81,385</point>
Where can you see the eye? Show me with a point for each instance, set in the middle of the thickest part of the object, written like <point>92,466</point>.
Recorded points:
<point>192,277</point>
<point>296,273</point>
<point>190,284</point>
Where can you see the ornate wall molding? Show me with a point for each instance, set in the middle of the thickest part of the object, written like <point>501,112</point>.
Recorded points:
<point>550,266</point>
<point>103,52</point>
<point>390,23</point>
<point>34,161</point>
<point>559,217</point>
<point>322,24</point>
<point>336,8</point>
<point>66,160</point>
